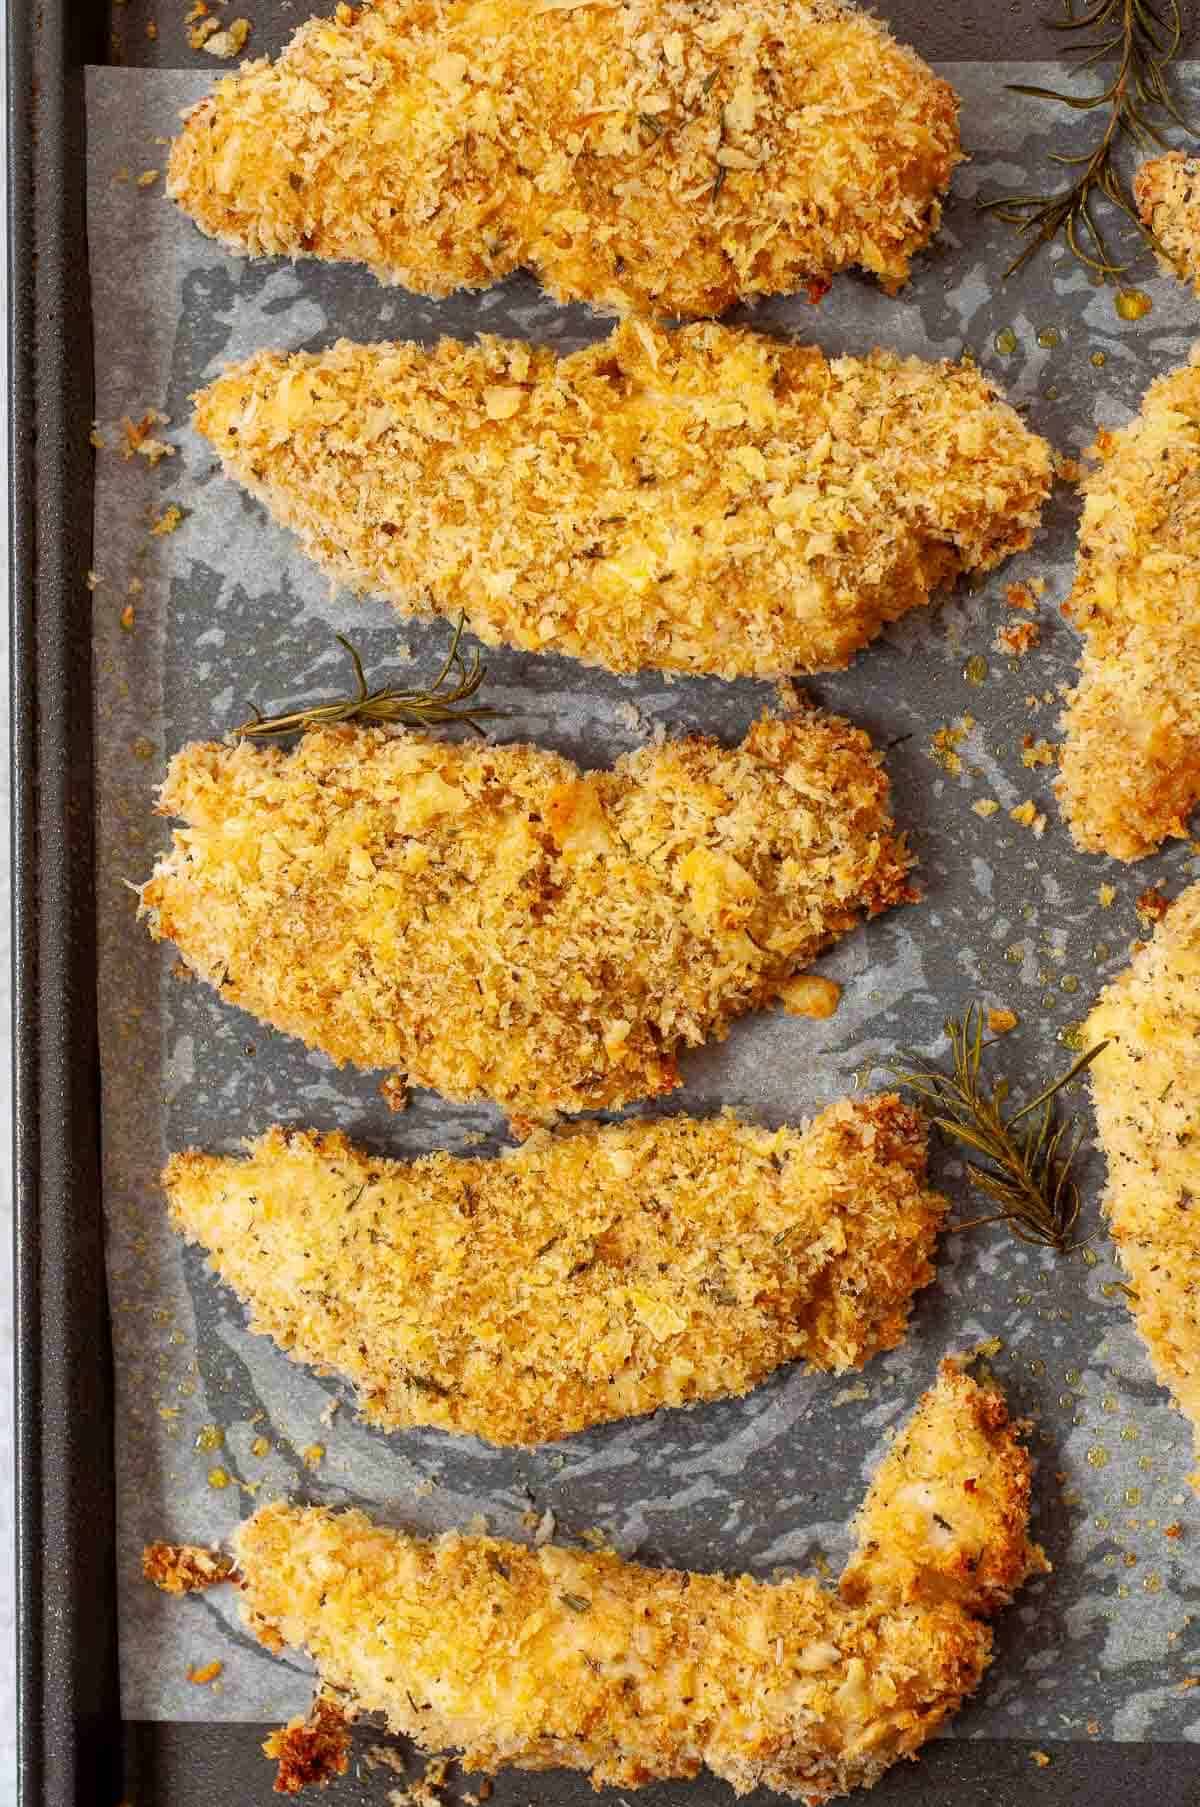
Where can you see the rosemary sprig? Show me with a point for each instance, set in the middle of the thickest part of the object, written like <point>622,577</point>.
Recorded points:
<point>1029,1178</point>
<point>1143,37</point>
<point>456,683</point>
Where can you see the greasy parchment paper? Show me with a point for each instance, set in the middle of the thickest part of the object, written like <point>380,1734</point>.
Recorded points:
<point>230,612</point>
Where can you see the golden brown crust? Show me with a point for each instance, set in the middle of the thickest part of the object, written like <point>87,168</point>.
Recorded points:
<point>592,1274</point>
<point>184,1568</point>
<point>655,156</point>
<point>495,924</point>
<point>553,1656</point>
<point>312,1749</point>
<point>947,1516</point>
<point>706,500</point>
<point>1167,192</point>
<point>1130,769</point>
<point>1146,1086</point>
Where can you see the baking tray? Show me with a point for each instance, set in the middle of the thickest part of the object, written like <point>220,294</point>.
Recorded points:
<point>73,1745</point>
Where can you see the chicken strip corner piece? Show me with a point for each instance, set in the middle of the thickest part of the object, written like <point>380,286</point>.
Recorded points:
<point>705,500</point>
<point>654,157</point>
<point>594,1273</point>
<point>1130,764</point>
<point>1167,192</point>
<point>1146,1087</point>
<point>490,922</point>
<point>548,1657</point>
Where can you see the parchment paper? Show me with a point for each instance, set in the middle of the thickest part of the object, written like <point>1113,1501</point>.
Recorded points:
<point>230,612</point>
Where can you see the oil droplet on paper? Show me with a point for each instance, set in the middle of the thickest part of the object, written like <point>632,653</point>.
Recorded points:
<point>1005,341</point>
<point>210,1436</point>
<point>218,1478</point>
<point>1049,338</point>
<point>976,669</point>
<point>1098,1456</point>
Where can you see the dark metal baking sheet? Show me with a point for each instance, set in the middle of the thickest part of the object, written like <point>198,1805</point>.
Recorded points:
<point>72,1746</point>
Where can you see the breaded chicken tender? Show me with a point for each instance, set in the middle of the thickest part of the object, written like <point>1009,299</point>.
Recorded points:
<point>558,1657</point>
<point>1130,766</point>
<point>663,156</point>
<point>1146,1086</point>
<point>593,1274</point>
<point>710,500</point>
<point>1167,192</point>
<point>493,923</point>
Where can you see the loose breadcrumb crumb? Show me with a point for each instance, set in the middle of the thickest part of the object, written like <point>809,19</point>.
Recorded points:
<point>1146,1087</point>
<point>230,42</point>
<point>554,1656</point>
<point>140,440</point>
<point>985,807</point>
<point>706,500</point>
<point>1018,639</point>
<point>312,1749</point>
<point>207,1673</point>
<point>1020,596</point>
<point>806,996</point>
<point>1107,895</point>
<point>185,1568</point>
<point>1028,815</point>
<point>662,156</point>
<point>595,1273</point>
<point>1001,1021</point>
<point>148,178</point>
<point>1152,905</point>
<point>167,521</point>
<point>1037,752</point>
<point>1041,1759</point>
<point>492,923</point>
<point>1130,773</point>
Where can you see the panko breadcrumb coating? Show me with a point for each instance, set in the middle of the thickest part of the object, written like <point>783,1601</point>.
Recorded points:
<point>556,1657</point>
<point>669,156</point>
<point>1146,1086</point>
<point>1130,769</point>
<point>593,1274</point>
<point>1167,192</point>
<point>493,923</point>
<point>705,500</point>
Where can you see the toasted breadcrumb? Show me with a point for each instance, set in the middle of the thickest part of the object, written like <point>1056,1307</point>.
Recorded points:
<point>565,1657</point>
<point>1152,905</point>
<point>492,923</point>
<point>1001,1021</point>
<point>1167,192</point>
<point>985,807</point>
<point>185,1568</point>
<point>1146,1086</point>
<point>1018,639</point>
<point>1131,764</point>
<point>705,500</point>
<point>593,1274</point>
<point>311,1749</point>
<point>1028,815</point>
<point>1037,752</point>
<point>811,997</point>
<point>207,1672</point>
<point>1020,596</point>
<point>666,156</point>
